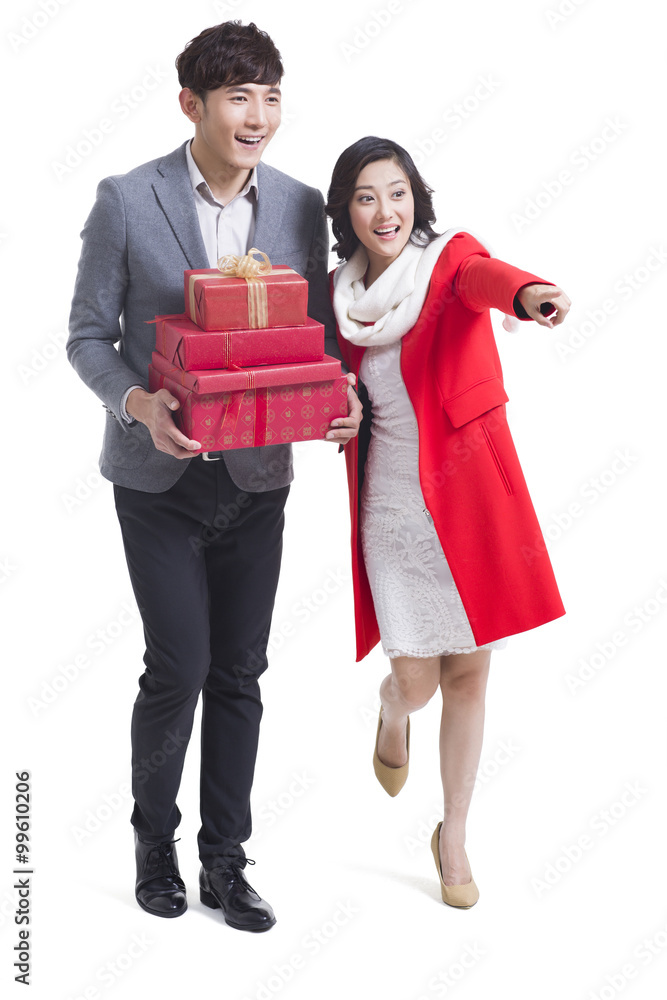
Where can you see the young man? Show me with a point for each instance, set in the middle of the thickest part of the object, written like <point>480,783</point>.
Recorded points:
<point>202,539</point>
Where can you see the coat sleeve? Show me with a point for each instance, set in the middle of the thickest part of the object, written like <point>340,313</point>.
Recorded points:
<point>99,298</point>
<point>484,282</point>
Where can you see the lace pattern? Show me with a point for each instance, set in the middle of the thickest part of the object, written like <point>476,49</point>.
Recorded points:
<point>418,607</point>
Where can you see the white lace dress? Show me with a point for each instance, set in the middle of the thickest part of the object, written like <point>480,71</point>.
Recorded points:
<point>418,607</point>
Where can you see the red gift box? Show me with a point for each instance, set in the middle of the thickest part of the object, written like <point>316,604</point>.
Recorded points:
<point>216,302</point>
<point>246,408</point>
<point>191,348</point>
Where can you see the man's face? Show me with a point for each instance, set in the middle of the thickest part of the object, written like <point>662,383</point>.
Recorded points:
<point>237,122</point>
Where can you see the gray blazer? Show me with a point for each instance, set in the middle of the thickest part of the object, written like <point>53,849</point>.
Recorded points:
<point>140,236</point>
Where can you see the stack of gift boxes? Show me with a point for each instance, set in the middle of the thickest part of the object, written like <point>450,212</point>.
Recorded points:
<point>245,361</point>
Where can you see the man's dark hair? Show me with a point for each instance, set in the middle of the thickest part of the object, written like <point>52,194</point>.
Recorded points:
<point>226,54</point>
<point>349,165</point>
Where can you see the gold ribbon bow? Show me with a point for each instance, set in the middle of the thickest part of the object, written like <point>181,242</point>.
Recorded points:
<point>253,271</point>
<point>246,267</point>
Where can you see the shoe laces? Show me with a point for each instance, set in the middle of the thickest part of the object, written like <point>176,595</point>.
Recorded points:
<point>160,855</point>
<point>237,865</point>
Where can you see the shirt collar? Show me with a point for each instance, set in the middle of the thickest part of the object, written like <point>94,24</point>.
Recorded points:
<point>199,182</point>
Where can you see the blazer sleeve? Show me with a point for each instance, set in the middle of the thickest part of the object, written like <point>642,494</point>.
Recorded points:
<point>99,297</point>
<point>484,282</point>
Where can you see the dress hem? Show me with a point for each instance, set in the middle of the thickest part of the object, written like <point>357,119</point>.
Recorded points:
<point>394,653</point>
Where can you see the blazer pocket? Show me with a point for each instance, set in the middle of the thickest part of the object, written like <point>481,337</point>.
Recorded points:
<point>475,400</point>
<point>126,448</point>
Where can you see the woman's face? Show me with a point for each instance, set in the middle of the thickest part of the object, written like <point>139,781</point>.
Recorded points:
<point>382,211</point>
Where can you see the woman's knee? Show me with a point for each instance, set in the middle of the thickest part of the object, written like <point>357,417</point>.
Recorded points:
<point>465,679</point>
<point>415,682</point>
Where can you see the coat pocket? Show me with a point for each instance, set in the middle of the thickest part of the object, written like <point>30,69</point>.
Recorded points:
<point>496,458</point>
<point>475,400</point>
<point>489,434</point>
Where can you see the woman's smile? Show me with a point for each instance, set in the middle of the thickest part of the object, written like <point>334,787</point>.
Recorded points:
<point>387,232</point>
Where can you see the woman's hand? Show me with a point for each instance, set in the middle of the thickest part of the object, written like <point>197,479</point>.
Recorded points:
<point>546,304</point>
<point>343,429</point>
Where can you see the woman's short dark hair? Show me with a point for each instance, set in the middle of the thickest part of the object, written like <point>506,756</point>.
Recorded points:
<point>349,165</point>
<point>226,54</point>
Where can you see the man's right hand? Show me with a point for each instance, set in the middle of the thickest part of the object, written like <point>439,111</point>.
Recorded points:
<point>155,409</point>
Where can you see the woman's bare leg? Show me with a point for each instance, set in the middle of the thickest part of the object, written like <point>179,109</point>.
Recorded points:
<point>463,678</point>
<point>411,684</point>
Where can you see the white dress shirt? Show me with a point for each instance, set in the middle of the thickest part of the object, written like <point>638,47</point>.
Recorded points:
<point>225,229</point>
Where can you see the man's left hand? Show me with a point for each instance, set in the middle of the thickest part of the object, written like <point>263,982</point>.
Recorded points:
<point>343,429</point>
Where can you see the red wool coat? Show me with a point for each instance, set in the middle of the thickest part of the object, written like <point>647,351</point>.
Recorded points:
<point>470,475</point>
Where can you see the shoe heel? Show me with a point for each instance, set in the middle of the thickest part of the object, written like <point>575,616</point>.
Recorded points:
<point>208,899</point>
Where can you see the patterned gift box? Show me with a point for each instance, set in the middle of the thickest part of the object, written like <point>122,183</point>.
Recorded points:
<point>246,408</point>
<point>189,347</point>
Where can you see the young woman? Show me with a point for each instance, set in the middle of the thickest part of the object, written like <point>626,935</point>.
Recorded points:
<point>448,557</point>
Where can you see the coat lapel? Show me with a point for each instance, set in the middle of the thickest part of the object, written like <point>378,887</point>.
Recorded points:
<point>174,193</point>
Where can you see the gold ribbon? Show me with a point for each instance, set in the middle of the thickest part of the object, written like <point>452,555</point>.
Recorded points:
<point>231,266</point>
<point>253,271</point>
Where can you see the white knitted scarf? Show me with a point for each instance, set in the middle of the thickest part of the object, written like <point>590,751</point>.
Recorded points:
<point>394,301</point>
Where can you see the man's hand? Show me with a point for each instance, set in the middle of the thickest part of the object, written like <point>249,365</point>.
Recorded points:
<point>556,302</point>
<point>154,409</point>
<point>343,429</point>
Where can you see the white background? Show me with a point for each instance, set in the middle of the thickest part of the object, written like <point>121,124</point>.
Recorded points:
<point>336,856</point>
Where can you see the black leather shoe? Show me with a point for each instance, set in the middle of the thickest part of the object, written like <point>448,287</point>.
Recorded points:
<point>159,888</point>
<point>226,888</point>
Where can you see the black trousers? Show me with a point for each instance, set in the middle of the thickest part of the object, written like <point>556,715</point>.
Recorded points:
<point>204,559</point>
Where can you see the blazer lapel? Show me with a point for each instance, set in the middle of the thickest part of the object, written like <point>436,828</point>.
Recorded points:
<point>270,210</point>
<point>174,193</point>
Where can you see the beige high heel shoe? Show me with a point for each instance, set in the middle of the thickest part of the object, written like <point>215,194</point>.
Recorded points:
<point>392,779</point>
<point>464,896</point>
